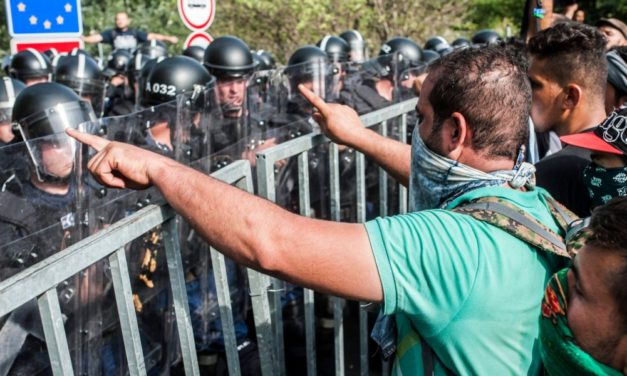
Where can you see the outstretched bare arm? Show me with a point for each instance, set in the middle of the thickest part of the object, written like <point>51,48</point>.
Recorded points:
<point>331,257</point>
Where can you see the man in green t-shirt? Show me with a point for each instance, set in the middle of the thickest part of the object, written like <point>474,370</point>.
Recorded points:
<point>459,287</point>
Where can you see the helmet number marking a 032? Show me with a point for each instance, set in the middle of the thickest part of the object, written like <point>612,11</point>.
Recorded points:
<point>169,90</point>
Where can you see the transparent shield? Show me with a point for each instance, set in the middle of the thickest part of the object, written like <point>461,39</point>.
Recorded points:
<point>200,282</point>
<point>41,216</point>
<point>231,123</point>
<point>152,129</point>
<point>410,82</point>
<point>289,105</point>
<point>197,114</point>
<point>371,85</point>
<point>262,102</point>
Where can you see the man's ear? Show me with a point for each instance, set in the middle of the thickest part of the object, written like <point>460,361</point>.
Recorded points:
<point>455,135</point>
<point>572,96</point>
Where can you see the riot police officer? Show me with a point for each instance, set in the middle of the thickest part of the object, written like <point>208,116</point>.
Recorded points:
<point>153,49</point>
<point>336,48</point>
<point>30,66</point>
<point>9,89</point>
<point>486,36</point>
<point>11,162</point>
<point>120,97</point>
<point>266,60</point>
<point>167,79</point>
<point>38,219</point>
<point>461,43</point>
<point>195,52</point>
<point>380,77</point>
<point>230,60</point>
<point>359,49</point>
<point>81,73</point>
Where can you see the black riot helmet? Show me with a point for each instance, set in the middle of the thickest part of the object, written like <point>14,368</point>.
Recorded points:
<point>404,46</point>
<point>153,49</point>
<point>337,49</point>
<point>143,77</point>
<point>434,43</point>
<point>307,54</point>
<point>195,52</point>
<point>117,63</point>
<point>82,74</point>
<point>9,90</point>
<point>79,51</point>
<point>265,59</point>
<point>486,37</point>
<point>6,64</point>
<point>429,55</point>
<point>30,64</point>
<point>357,45</point>
<point>171,77</point>
<point>399,54</point>
<point>461,43</point>
<point>229,57</point>
<point>134,68</point>
<point>51,53</point>
<point>47,109</point>
<point>308,64</point>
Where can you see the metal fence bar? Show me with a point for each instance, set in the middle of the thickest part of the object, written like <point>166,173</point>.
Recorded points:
<point>402,190</point>
<point>338,303</point>
<point>360,171</point>
<point>308,294</point>
<point>179,297</point>
<point>259,285</point>
<point>265,183</point>
<point>383,178</point>
<point>226,312</point>
<point>126,313</point>
<point>239,174</point>
<point>54,332</point>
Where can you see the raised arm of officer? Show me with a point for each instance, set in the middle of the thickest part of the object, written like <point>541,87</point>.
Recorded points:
<point>164,38</point>
<point>327,256</point>
<point>92,38</point>
<point>342,125</point>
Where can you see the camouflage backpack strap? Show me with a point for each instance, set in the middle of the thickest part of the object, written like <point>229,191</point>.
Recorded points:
<point>516,222</point>
<point>561,214</point>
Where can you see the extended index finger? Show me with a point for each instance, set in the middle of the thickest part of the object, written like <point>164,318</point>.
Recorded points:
<point>315,100</point>
<point>98,143</point>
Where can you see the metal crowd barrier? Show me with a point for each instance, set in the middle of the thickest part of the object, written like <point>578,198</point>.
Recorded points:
<point>299,147</point>
<point>40,281</point>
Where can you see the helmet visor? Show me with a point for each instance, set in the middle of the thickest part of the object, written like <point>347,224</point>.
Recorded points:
<point>56,119</point>
<point>52,155</point>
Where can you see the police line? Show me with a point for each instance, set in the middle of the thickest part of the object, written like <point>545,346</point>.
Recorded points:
<point>40,281</point>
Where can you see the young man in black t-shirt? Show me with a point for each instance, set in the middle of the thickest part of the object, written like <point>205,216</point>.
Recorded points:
<point>568,74</point>
<point>123,37</point>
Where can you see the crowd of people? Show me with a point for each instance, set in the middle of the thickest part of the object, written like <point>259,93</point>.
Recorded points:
<point>512,256</point>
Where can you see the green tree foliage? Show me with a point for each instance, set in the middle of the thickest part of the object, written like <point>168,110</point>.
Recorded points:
<point>281,26</point>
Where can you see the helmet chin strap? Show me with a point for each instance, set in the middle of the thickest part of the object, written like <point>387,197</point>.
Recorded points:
<point>47,178</point>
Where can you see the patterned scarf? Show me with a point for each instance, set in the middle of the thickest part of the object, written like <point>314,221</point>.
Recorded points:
<point>560,354</point>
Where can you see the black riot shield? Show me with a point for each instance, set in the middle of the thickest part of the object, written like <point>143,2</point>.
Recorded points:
<point>41,216</point>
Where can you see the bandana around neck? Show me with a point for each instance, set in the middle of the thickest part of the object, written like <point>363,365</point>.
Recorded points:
<point>435,180</point>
